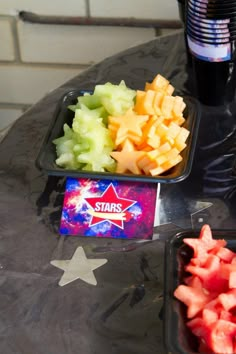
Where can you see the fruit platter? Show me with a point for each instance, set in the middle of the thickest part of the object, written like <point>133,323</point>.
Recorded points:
<point>200,292</point>
<point>116,132</point>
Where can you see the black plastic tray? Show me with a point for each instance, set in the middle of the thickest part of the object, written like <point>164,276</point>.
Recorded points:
<point>177,337</point>
<point>47,155</point>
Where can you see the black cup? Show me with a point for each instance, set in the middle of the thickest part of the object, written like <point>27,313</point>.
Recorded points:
<point>208,37</point>
<point>214,81</point>
<point>182,15</point>
<point>211,38</point>
<point>213,54</point>
<point>196,26</point>
<point>207,25</point>
<point>214,9</point>
<point>181,7</point>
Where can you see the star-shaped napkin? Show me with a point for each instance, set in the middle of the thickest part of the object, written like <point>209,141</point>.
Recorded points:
<point>78,267</point>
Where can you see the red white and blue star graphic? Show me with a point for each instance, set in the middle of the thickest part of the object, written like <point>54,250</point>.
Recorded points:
<point>109,207</point>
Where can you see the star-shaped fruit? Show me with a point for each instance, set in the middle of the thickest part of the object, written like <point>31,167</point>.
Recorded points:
<point>187,294</point>
<point>127,159</point>
<point>128,125</point>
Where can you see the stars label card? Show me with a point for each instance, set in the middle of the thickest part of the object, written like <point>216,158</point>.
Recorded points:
<point>109,208</point>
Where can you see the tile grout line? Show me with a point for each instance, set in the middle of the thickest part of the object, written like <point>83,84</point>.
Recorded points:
<point>16,41</point>
<point>45,65</point>
<point>87,5</point>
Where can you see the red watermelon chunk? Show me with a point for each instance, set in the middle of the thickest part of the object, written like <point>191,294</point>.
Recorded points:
<point>203,245</point>
<point>194,298</point>
<point>232,280</point>
<point>221,336</point>
<point>209,293</point>
<point>193,281</point>
<point>228,300</point>
<point>225,254</point>
<point>203,348</point>
<point>205,234</point>
<point>209,274</point>
<point>198,327</point>
<point>209,316</point>
<point>226,315</point>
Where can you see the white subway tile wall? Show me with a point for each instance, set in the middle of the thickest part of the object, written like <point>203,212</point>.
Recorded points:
<point>76,44</point>
<point>148,9</point>
<point>7,51</point>
<point>37,58</point>
<point>28,84</point>
<point>44,7</point>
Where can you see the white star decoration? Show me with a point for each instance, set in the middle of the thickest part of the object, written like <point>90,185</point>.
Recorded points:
<point>78,267</point>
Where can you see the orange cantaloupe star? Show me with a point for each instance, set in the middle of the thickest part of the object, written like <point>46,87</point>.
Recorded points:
<point>130,124</point>
<point>127,158</point>
<point>150,137</point>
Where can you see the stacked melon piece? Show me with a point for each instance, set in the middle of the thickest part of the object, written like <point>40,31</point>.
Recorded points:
<point>118,129</point>
<point>87,144</point>
<point>149,137</point>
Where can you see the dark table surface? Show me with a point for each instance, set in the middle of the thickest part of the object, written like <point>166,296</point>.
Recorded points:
<point>122,314</point>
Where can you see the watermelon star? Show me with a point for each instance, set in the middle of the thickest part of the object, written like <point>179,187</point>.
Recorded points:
<point>203,245</point>
<point>194,298</point>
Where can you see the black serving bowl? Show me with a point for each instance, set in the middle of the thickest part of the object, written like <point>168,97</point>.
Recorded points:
<point>47,154</point>
<point>177,337</point>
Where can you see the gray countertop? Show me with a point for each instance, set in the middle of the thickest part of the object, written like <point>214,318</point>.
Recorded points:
<point>122,314</point>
